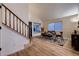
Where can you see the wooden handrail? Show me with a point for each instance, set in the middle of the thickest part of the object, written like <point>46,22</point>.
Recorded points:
<point>19,26</point>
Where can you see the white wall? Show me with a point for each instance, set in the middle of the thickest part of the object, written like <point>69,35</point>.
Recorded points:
<point>11,41</point>
<point>69,26</point>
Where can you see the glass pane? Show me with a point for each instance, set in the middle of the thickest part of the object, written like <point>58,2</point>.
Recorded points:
<point>58,26</point>
<point>51,26</point>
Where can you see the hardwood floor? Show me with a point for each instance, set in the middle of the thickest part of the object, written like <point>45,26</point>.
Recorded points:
<point>41,47</point>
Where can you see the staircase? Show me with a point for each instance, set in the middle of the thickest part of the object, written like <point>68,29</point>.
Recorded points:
<point>13,22</point>
<point>16,26</point>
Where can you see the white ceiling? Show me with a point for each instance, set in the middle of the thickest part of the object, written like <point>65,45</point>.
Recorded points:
<point>52,10</point>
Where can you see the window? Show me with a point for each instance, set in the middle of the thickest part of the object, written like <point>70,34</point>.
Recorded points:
<point>55,26</point>
<point>51,26</point>
<point>58,26</point>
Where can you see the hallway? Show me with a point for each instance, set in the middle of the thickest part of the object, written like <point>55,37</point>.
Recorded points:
<point>41,47</point>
